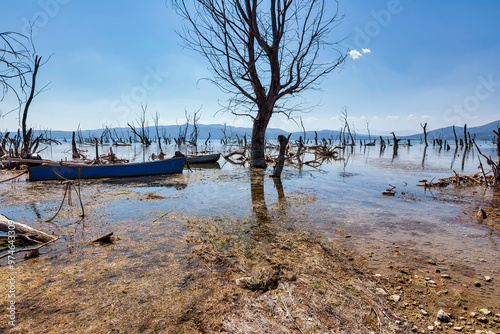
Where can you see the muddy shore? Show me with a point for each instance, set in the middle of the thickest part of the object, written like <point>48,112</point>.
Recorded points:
<point>173,271</point>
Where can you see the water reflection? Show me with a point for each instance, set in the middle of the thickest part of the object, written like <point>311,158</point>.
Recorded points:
<point>210,165</point>
<point>258,196</point>
<point>454,157</point>
<point>424,155</point>
<point>160,181</point>
<point>267,221</point>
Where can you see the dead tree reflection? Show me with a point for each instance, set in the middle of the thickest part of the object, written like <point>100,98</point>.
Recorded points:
<point>423,157</point>
<point>454,157</point>
<point>268,221</point>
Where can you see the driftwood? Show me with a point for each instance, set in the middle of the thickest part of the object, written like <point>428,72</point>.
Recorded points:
<point>326,151</point>
<point>47,162</point>
<point>106,239</point>
<point>456,179</point>
<point>242,157</point>
<point>27,233</point>
<point>25,230</point>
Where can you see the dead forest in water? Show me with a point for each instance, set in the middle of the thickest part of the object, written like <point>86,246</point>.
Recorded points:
<point>235,148</point>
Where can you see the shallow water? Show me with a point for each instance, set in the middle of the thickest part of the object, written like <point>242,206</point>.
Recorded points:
<point>341,200</point>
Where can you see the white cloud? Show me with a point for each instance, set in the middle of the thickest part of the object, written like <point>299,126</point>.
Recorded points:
<point>426,117</point>
<point>354,54</point>
<point>393,117</point>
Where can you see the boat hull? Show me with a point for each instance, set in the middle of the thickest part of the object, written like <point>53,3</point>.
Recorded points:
<point>41,173</point>
<point>203,159</point>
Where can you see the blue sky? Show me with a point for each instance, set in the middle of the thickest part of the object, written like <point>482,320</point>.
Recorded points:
<point>411,61</point>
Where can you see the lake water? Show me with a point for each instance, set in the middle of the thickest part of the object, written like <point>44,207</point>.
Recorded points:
<point>340,200</point>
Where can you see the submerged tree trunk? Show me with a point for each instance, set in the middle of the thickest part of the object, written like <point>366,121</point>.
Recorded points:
<point>74,149</point>
<point>281,158</point>
<point>425,133</point>
<point>496,171</point>
<point>258,144</point>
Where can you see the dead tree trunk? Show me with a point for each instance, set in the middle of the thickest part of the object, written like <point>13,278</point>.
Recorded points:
<point>382,143</point>
<point>97,161</point>
<point>425,133</point>
<point>258,144</point>
<point>19,229</point>
<point>26,134</point>
<point>74,150</point>
<point>278,168</point>
<point>396,143</point>
<point>465,136</point>
<point>496,171</point>
<point>455,134</point>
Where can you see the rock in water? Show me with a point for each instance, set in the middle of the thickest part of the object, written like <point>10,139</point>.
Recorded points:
<point>443,316</point>
<point>481,214</point>
<point>388,192</point>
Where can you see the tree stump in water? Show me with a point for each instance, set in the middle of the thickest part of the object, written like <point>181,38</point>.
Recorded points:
<point>278,168</point>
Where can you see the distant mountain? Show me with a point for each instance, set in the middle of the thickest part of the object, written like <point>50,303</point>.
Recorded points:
<point>217,131</point>
<point>214,131</point>
<point>483,132</point>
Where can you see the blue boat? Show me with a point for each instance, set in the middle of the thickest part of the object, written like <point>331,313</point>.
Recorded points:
<point>62,171</point>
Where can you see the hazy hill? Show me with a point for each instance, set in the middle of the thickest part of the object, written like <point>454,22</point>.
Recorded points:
<point>482,132</point>
<point>216,132</point>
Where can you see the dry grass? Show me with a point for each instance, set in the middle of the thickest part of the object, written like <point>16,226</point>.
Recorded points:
<point>289,282</point>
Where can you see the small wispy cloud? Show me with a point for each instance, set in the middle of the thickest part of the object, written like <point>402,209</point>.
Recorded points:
<point>393,117</point>
<point>355,54</point>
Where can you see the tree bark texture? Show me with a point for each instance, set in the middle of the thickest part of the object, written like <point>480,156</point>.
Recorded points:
<point>21,229</point>
<point>278,168</point>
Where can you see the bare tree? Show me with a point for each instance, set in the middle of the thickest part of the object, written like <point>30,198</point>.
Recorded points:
<point>424,127</point>
<point>142,132</point>
<point>263,53</point>
<point>19,65</point>
<point>15,64</point>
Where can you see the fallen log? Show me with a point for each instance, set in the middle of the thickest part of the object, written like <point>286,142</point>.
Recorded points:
<point>46,162</point>
<point>106,239</point>
<point>24,230</point>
